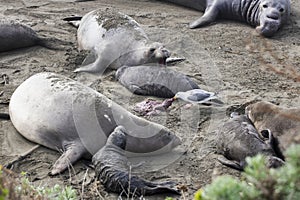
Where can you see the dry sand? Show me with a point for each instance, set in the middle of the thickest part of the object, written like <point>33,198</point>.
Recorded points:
<point>227,57</point>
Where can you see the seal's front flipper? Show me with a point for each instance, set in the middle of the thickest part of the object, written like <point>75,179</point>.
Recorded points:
<point>73,152</point>
<point>230,163</point>
<point>92,68</point>
<point>210,15</point>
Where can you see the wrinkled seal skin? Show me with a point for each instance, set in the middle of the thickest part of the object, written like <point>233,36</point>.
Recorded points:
<point>154,81</point>
<point>283,122</point>
<point>238,139</point>
<point>62,114</point>
<point>266,15</point>
<point>16,36</point>
<point>113,170</point>
<point>114,40</point>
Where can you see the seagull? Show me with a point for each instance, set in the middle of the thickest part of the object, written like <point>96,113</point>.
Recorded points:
<point>195,96</point>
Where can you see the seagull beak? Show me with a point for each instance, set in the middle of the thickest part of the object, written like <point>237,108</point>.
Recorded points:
<point>175,98</point>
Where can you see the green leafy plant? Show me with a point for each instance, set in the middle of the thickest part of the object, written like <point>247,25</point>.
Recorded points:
<point>258,181</point>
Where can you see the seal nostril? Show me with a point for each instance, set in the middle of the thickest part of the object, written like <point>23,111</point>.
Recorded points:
<point>265,6</point>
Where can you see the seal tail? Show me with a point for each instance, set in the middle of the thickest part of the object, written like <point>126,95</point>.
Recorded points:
<point>4,116</point>
<point>74,20</point>
<point>152,188</point>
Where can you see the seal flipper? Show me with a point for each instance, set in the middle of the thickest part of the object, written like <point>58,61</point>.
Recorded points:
<point>230,163</point>
<point>73,153</point>
<point>210,15</point>
<point>92,67</point>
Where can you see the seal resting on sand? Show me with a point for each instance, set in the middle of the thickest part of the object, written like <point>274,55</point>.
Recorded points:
<point>266,15</point>
<point>283,122</point>
<point>15,36</point>
<point>154,81</point>
<point>113,170</point>
<point>238,139</point>
<point>115,39</point>
<point>62,114</point>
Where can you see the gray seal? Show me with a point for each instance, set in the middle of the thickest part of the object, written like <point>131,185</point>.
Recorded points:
<point>113,170</point>
<point>15,36</point>
<point>238,139</point>
<point>154,81</point>
<point>115,39</point>
<point>266,15</point>
<point>64,115</point>
<point>283,122</point>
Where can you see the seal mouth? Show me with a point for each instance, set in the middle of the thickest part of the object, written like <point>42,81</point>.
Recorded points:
<point>162,61</point>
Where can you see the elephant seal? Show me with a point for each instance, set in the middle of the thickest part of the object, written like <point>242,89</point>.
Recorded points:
<point>113,170</point>
<point>154,81</point>
<point>62,114</point>
<point>283,122</point>
<point>266,15</point>
<point>15,36</point>
<point>115,39</point>
<point>238,139</point>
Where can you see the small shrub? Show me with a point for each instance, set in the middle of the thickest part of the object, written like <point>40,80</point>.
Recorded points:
<point>258,181</point>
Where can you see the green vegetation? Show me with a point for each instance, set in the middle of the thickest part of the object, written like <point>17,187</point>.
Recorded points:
<point>258,181</point>
<point>16,187</point>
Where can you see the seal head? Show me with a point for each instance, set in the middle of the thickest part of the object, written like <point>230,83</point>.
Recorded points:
<point>273,14</point>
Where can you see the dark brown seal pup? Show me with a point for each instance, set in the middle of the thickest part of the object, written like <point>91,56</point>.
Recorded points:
<point>15,36</point>
<point>154,81</point>
<point>283,122</point>
<point>113,170</point>
<point>238,139</point>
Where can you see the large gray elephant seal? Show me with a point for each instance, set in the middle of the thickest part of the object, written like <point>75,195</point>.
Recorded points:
<point>62,114</point>
<point>283,122</point>
<point>15,36</point>
<point>238,139</point>
<point>154,81</point>
<point>266,15</point>
<point>113,170</point>
<point>114,40</point>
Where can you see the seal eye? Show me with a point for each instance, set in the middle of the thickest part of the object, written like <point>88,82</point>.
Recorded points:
<point>152,49</point>
<point>265,6</point>
<point>281,10</point>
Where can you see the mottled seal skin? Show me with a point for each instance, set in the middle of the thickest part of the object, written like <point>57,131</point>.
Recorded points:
<point>62,114</point>
<point>283,122</point>
<point>114,40</point>
<point>266,15</point>
<point>15,36</point>
<point>154,81</point>
<point>238,139</point>
<point>113,170</point>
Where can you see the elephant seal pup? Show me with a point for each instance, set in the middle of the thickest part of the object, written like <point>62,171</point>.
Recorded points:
<point>113,170</point>
<point>283,122</point>
<point>154,81</point>
<point>114,40</point>
<point>238,139</point>
<point>15,36</point>
<point>266,15</point>
<point>62,114</point>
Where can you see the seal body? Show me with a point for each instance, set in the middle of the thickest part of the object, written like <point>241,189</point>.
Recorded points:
<point>266,15</point>
<point>238,139</point>
<point>154,81</point>
<point>115,39</point>
<point>283,122</point>
<point>16,36</point>
<point>64,115</point>
<point>113,169</point>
